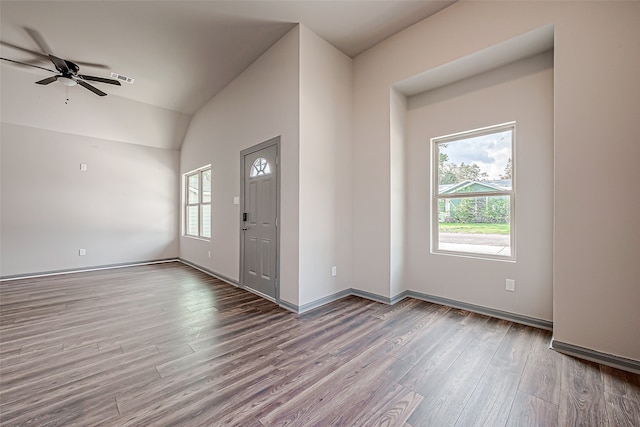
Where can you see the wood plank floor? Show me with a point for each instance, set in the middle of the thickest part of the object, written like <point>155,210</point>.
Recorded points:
<point>168,345</point>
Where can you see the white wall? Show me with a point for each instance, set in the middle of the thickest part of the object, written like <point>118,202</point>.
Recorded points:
<point>596,97</point>
<point>325,168</point>
<point>261,103</point>
<point>596,218</point>
<point>520,92</point>
<point>596,268</point>
<point>121,210</point>
<point>301,90</point>
<point>124,209</point>
<point>371,178</point>
<point>398,192</point>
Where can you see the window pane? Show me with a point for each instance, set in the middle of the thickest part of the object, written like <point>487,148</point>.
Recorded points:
<point>476,164</point>
<point>206,220</point>
<point>192,220</point>
<point>206,186</point>
<point>478,225</point>
<point>193,184</point>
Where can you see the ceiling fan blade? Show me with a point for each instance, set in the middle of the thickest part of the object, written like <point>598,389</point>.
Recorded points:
<point>22,49</point>
<point>99,79</point>
<point>47,80</point>
<point>92,65</point>
<point>27,65</point>
<point>37,37</point>
<point>45,48</point>
<point>91,88</point>
<point>60,64</point>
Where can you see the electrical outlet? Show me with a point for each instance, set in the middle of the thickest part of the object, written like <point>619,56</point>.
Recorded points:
<point>334,271</point>
<point>511,285</point>
<point>82,252</point>
<point>209,254</point>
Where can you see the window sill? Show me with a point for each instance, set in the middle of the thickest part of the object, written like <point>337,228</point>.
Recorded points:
<point>475,255</point>
<point>202,239</point>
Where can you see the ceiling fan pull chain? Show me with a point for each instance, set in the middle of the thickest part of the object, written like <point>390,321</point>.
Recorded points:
<point>66,94</point>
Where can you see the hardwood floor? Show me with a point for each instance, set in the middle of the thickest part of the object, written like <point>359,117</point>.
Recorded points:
<point>168,345</point>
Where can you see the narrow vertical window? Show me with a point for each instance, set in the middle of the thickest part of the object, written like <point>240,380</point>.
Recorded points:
<point>474,193</point>
<point>197,209</point>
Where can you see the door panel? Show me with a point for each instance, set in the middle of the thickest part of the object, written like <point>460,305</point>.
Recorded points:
<point>251,256</point>
<point>266,267</point>
<point>259,238</point>
<point>252,203</point>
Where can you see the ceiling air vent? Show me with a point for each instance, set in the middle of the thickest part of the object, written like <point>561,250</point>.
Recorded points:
<point>121,77</point>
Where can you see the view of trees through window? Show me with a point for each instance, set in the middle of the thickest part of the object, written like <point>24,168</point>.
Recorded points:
<point>473,197</point>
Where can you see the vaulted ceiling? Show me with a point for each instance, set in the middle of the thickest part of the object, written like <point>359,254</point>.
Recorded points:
<point>181,53</point>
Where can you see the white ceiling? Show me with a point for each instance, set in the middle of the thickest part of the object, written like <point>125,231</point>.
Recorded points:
<point>181,53</point>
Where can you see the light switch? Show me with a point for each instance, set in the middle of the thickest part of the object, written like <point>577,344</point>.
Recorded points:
<point>236,200</point>
<point>83,166</point>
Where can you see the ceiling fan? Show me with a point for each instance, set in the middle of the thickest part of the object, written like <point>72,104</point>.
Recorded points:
<point>67,74</point>
<point>66,71</point>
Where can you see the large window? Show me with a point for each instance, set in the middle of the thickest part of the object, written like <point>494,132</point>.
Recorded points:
<point>474,193</point>
<point>197,207</point>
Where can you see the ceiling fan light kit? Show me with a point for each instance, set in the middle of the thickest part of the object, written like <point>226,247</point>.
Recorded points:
<point>67,81</point>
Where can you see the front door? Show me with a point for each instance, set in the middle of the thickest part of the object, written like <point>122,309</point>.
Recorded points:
<point>259,212</point>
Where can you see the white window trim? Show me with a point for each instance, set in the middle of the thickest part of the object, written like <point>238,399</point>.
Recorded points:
<point>435,197</point>
<point>199,205</point>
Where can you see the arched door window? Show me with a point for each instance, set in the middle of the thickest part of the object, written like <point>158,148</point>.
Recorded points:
<point>260,167</point>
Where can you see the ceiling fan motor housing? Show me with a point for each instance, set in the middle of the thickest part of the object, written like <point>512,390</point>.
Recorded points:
<point>74,68</point>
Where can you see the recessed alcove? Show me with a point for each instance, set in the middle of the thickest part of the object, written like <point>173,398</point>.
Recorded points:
<point>510,81</point>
